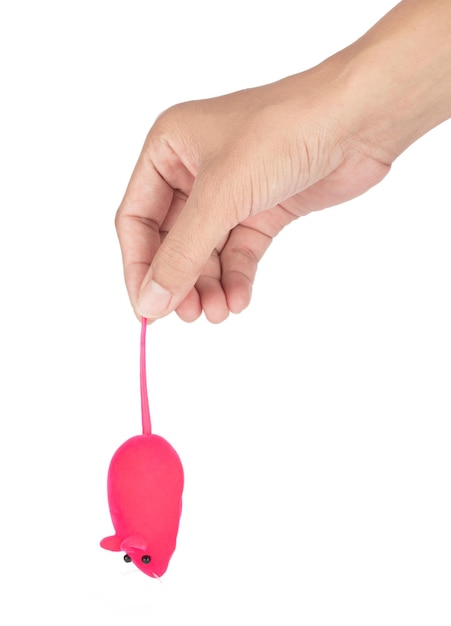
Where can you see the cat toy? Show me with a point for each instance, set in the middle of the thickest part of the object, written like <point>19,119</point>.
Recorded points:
<point>145,485</point>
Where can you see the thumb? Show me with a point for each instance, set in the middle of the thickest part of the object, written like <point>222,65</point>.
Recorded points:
<point>181,256</point>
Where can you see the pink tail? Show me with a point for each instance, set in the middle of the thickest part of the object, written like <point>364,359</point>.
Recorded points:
<point>145,413</point>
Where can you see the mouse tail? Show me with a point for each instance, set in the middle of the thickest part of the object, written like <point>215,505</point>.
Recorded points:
<point>145,413</point>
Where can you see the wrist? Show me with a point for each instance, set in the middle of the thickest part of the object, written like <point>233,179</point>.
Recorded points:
<point>396,80</point>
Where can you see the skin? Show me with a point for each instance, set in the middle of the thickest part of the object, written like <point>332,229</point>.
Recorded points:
<point>218,179</point>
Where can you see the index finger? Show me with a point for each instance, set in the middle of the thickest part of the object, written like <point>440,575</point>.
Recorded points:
<point>143,209</point>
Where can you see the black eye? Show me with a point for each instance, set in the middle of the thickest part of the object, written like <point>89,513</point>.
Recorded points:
<point>146,559</point>
<point>127,558</point>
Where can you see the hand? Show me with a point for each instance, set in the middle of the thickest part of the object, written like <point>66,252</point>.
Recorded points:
<point>218,179</point>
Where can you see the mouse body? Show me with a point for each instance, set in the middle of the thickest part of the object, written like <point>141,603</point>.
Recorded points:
<point>145,485</point>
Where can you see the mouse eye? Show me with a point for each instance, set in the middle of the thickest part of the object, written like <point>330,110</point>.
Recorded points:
<point>127,558</point>
<point>146,559</point>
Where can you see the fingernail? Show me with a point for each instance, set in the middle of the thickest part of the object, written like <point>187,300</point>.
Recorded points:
<point>153,300</point>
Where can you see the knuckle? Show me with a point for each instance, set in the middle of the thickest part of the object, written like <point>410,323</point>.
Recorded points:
<point>174,264</point>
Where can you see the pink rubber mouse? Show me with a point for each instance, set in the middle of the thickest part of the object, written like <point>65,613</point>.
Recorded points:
<point>145,485</point>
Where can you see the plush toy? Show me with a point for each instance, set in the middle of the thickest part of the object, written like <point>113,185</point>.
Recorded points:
<point>145,484</point>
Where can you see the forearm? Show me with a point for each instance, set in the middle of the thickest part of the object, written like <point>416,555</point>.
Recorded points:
<point>398,77</point>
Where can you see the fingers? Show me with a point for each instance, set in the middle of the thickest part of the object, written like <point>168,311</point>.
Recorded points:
<point>189,275</point>
<point>190,308</point>
<point>239,258</point>
<point>181,259</point>
<point>207,296</point>
<point>245,247</point>
<point>138,225</point>
<point>149,208</point>
<point>167,238</point>
<point>225,283</point>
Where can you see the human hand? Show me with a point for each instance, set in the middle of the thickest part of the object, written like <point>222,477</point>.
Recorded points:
<point>218,179</point>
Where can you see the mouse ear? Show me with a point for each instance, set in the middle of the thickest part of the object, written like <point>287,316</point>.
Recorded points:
<point>133,542</point>
<point>112,543</point>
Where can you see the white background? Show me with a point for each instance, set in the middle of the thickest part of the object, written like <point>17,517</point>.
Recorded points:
<point>314,428</point>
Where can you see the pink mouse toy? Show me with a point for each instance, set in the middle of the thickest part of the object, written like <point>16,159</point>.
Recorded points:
<point>145,485</point>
